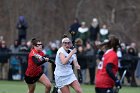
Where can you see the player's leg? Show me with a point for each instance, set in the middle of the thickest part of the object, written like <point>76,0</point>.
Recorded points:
<point>76,86</point>
<point>31,88</point>
<point>65,89</point>
<point>46,82</point>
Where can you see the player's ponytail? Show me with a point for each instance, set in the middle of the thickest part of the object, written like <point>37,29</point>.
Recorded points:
<point>64,36</point>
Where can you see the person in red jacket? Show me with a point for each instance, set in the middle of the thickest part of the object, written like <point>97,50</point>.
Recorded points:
<point>107,68</point>
<point>34,70</point>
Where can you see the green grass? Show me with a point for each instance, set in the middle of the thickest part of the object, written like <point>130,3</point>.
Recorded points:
<point>21,87</point>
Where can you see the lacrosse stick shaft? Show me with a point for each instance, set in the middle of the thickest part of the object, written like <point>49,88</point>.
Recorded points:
<point>121,80</point>
<point>124,73</point>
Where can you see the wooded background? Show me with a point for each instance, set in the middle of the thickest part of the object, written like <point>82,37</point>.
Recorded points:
<point>50,19</point>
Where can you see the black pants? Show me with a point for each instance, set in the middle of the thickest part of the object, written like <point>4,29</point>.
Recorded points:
<point>104,90</point>
<point>92,74</point>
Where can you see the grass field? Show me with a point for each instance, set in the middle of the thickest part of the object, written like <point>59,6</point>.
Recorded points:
<point>21,87</point>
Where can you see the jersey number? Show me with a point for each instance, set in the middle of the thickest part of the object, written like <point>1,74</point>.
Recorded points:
<point>100,65</point>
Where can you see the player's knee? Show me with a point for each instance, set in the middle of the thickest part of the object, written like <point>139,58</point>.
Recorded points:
<point>31,90</point>
<point>79,90</point>
<point>49,86</point>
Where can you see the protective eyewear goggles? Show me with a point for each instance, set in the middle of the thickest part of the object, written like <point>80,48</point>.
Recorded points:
<point>67,43</point>
<point>39,45</point>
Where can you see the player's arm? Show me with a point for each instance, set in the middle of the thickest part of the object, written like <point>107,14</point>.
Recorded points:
<point>64,59</point>
<point>75,62</point>
<point>77,66</point>
<point>48,59</point>
<point>109,71</point>
<point>39,62</point>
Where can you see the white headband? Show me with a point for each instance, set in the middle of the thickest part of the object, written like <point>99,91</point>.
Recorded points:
<point>65,40</point>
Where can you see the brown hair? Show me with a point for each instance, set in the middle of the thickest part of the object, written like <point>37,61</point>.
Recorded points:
<point>112,43</point>
<point>34,41</point>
